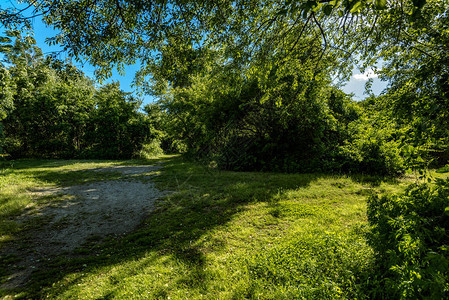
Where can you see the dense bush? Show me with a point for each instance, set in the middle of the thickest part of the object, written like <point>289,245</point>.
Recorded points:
<point>150,150</point>
<point>374,144</point>
<point>279,116</point>
<point>116,128</point>
<point>48,108</point>
<point>410,237</point>
<point>71,119</point>
<point>320,131</point>
<point>289,124</point>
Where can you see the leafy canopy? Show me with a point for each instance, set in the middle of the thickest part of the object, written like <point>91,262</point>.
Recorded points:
<point>113,33</point>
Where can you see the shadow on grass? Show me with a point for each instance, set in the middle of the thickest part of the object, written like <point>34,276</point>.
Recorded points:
<point>43,170</point>
<point>20,164</point>
<point>203,200</point>
<point>373,180</point>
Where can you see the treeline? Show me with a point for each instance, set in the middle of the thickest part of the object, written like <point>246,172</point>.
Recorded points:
<point>280,113</point>
<point>284,114</point>
<point>52,110</point>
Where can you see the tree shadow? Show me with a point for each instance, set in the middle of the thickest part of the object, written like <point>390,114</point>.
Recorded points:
<point>43,170</point>
<point>373,180</point>
<point>201,200</point>
<point>21,164</point>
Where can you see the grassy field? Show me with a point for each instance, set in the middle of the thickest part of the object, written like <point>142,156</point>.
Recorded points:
<point>217,235</point>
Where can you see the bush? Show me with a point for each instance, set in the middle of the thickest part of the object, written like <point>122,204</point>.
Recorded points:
<point>374,145</point>
<point>410,237</point>
<point>150,150</point>
<point>371,156</point>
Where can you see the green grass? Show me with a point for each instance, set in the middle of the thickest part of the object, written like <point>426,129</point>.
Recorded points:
<point>217,235</point>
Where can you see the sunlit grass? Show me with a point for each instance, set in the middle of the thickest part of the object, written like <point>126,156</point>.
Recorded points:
<point>217,235</point>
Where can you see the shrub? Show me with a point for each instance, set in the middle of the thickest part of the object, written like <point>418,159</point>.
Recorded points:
<point>371,156</point>
<point>410,237</point>
<point>150,150</point>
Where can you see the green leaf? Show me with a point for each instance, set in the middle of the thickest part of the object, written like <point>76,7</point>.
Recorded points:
<point>419,3</point>
<point>328,9</point>
<point>446,210</point>
<point>380,4</point>
<point>356,7</point>
<point>311,4</point>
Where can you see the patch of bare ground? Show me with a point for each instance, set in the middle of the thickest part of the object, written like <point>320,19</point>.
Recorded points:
<point>86,212</point>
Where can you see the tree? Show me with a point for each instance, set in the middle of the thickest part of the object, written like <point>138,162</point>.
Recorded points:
<point>26,74</point>
<point>116,129</point>
<point>110,32</point>
<point>6,88</point>
<point>12,18</point>
<point>417,67</point>
<point>51,102</point>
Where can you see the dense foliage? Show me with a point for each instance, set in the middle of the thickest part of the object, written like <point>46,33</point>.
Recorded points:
<point>413,49</point>
<point>50,109</point>
<point>410,238</point>
<point>278,115</point>
<point>109,32</point>
<point>247,84</point>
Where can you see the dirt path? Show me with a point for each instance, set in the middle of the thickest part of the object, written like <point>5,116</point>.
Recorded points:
<point>92,211</point>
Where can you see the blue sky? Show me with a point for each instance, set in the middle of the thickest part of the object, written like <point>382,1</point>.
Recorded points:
<point>356,85</point>
<point>41,32</point>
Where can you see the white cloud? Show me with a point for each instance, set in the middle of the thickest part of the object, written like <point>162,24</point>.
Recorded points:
<point>365,76</point>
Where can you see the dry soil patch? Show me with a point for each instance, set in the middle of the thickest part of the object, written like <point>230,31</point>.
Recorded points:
<point>93,210</point>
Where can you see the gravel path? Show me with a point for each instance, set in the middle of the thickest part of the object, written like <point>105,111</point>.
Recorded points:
<point>93,211</point>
